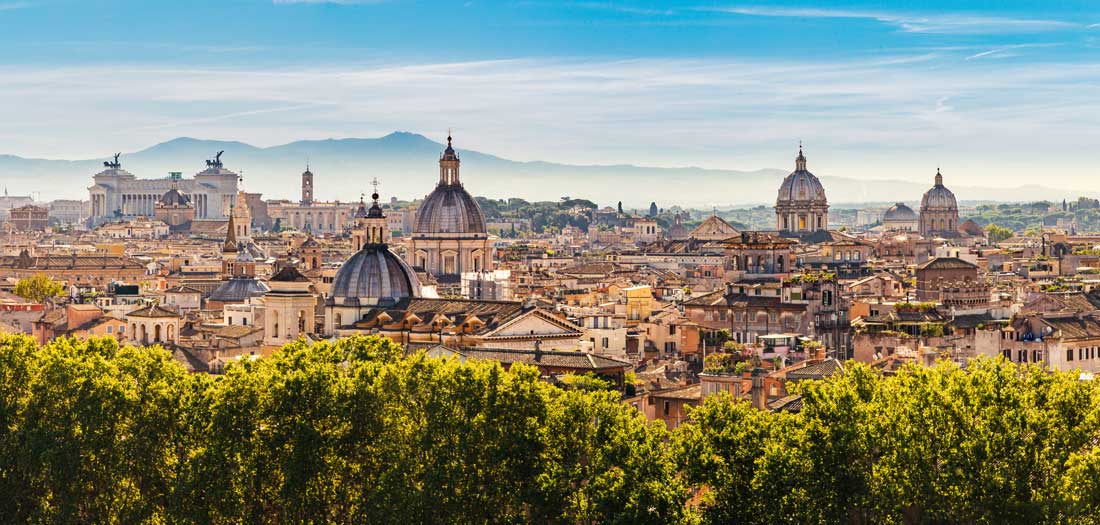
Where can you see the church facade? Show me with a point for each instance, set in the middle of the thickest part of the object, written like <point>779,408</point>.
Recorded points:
<point>309,215</point>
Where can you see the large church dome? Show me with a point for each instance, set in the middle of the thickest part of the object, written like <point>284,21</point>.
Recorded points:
<point>800,206</point>
<point>801,185</point>
<point>899,212</point>
<point>449,208</point>
<point>939,197</point>
<point>374,275</point>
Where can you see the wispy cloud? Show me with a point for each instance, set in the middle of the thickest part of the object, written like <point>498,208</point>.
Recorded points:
<point>9,6</point>
<point>915,23</point>
<point>1007,51</point>
<point>713,112</point>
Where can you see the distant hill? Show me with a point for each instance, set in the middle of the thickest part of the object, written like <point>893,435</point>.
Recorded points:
<point>405,165</point>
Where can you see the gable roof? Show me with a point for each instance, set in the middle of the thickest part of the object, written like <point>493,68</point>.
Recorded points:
<point>819,370</point>
<point>554,358</point>
<point>713,228</point>
<point>155,310</point>
<point>946,263</point>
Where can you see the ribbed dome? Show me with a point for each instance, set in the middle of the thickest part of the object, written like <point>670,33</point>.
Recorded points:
<point>239,290</point>
<point>801,185</point>
<point>174,198</point>
<point>450,209</point>
<point>939,197</point>
<point>374,275</point>
<point>899,212</point>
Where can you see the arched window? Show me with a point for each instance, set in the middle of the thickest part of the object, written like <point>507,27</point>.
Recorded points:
<point>156,334</point>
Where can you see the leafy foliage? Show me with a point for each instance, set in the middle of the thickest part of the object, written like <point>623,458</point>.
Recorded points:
<point>348,432</point>
<point>38,288</point>
<point>997,233</point>
<point>996,443</point>
<point>356,432</point>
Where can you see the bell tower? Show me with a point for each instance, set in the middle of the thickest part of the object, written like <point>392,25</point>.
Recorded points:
<point>307,187</point>
<point>371,227</point>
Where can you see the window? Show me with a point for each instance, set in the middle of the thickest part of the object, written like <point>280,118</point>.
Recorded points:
<point>605,343</point>
<point>1069,355</point>
<point>666,407</point>
<point>110,329</point>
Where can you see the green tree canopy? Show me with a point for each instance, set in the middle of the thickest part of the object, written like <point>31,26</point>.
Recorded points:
<point>997,233</point>
<point>38,288</point>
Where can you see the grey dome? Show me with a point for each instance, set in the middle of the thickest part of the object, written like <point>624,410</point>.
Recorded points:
<point>450,209</point>
<point>374,275</point>
<point>174,198</point>
<point>899,212</point>
<point>801,185</point>
<point>939,197</point>
<point>239,290</point>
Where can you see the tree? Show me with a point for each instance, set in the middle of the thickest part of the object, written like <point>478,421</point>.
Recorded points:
<point>586,382</point>
<point>997,234</point>
<point>604,464</point>
<point>38,288</point>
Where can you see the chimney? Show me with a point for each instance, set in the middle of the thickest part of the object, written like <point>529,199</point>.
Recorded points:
<point>759,396</point>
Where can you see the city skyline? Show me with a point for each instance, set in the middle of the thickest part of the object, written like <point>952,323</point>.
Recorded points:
<point>995,95</point>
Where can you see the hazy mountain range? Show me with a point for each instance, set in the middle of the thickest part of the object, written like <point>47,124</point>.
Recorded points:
<point>405,165</point>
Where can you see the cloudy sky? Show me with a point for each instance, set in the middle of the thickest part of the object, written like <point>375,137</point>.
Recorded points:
<point>1004,92</point>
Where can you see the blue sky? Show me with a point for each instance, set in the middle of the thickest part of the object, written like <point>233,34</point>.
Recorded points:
<point>995,92</point>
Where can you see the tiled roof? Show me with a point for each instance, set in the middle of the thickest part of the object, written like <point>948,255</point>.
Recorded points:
<point>1086,327</point>
<point>946,263</point>
<point>786,404</point>
<point>819,370</point>
<point>68,262</point>
<point>289,274</point>
<point>688,393</point>
<point>236,331</point>
<point>189,361</point>
<point>153,311</point>
<point>555,359</point>
<point>972,320</point>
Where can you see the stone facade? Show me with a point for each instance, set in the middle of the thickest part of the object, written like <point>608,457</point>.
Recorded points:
<point>117,192</point>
